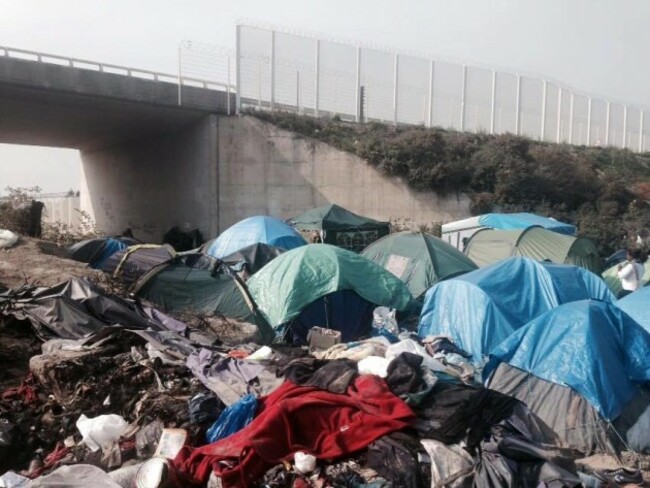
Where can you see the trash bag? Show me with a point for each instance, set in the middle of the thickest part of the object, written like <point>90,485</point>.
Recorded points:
<point>233,419</point>
<point>7,239</point>
<point>101,431</point>
<point>204,407</point>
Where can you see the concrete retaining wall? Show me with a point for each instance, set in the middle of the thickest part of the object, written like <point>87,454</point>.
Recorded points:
<point>222,169</point>
<point>264,170</point>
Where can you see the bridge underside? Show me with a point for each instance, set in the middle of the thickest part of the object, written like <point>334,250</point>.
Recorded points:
<point>146,161</point>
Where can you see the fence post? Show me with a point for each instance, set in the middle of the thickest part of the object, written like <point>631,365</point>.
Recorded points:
<point>317,78</point>
<point>272,56</point>
<point>589,122</point>
<point>228,89</point>
<point>462,99</point>
<point>357,112</point>
<point>624,126</point>
<point>609,104</point>
<point>259,85</point>
<point>493,101</point>
<point>238,69</point>
<point>641,130</point>
<point>518,106</point>
<point>180,74</point>
<point>571,105</point>
<point>430,114</point>
<point>395,81</point>
<point>298,91</point>
<point>542,131</point>
<point>558,129</point>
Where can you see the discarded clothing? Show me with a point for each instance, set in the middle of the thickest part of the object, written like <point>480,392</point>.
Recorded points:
<point>442,344</point>
<point>409,380</point>
<point>409,345</point>
<point>453,412</point>
<point>395,458</point>
<point>204,408</point>
<point>232,378</point>
<point>334,376</point>
<point>299,418</point>
<point>514,461</point>
<point>451,466</point>
<point>356,351</point>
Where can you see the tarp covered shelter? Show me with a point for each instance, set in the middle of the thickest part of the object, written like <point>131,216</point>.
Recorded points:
<point>324,285</point>
<point>340,227</point>
<point>578,367</point>
<point>480,309</point>
<point>253,257</point>
<point>133,262</point>
<point>488,246</point>
<point>610,275</point>
<point>187,285</point>
<point>637,306</point>
<point>264,229</point>
<point>420,260</point>
<point>96,251</point>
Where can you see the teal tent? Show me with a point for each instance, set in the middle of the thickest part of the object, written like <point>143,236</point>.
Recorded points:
<point>325,285</point>
<point>186,284</point>
<point>420,260</point>
<point>340,227</point>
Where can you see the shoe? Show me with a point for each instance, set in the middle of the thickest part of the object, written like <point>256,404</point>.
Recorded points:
<point>621,476</point>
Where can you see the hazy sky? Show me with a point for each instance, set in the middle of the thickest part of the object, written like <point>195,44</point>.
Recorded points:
<point>598,46</point>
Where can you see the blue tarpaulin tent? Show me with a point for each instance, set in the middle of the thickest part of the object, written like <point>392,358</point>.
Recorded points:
<point>253,230</point>
<point>637,306</point>
<point>590,346</point>
<point>523,221</point>
<point>480,309</point>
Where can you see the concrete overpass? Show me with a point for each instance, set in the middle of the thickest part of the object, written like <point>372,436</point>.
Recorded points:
<point>146,144</point>
<point>150,162</point>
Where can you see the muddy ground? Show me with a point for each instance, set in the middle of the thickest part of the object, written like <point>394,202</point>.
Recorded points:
<point>40,262</point>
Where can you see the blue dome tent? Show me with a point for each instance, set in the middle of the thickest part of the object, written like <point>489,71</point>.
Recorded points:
<point>480,309</point>
<point>580,368</point>
<point>253,230</point>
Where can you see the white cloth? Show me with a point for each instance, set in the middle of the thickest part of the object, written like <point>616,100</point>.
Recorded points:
<point>631,275</point>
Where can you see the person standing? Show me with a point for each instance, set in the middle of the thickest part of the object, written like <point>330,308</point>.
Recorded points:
<point>631,272</point>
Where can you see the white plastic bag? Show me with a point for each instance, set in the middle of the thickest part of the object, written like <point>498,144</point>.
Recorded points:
<point>7,239</point>
<point>374,365</point>
<point>263,352</point>
<point>101,431</point>
<point>304,463</point>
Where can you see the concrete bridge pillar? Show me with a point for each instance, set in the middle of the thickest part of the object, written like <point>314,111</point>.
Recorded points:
<point>154,183</point>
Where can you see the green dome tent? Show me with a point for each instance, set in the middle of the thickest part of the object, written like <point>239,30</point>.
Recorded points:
<point>324,285</point>
<point>187,285</point>
<point>420,260</point>
<point>488,246</point>
<point>340,227</point>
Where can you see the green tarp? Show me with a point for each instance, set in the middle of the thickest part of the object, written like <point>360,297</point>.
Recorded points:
<point>488,246</point>
<point>340,227</point>
<point>182,288</point>
<point>293,280</point>
<point>420,260</point>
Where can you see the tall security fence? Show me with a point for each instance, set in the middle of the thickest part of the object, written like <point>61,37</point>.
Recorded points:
<point>279,70</point>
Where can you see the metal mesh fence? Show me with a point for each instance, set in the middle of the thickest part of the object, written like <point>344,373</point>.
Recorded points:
<point>205,66</point>
<point>279,70</point>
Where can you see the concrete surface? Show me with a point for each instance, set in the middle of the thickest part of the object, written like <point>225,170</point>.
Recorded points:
<point>265,170</point>
<point>155,183</point>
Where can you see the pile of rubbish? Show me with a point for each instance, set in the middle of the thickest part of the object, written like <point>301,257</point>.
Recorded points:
<point>313,366</point>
